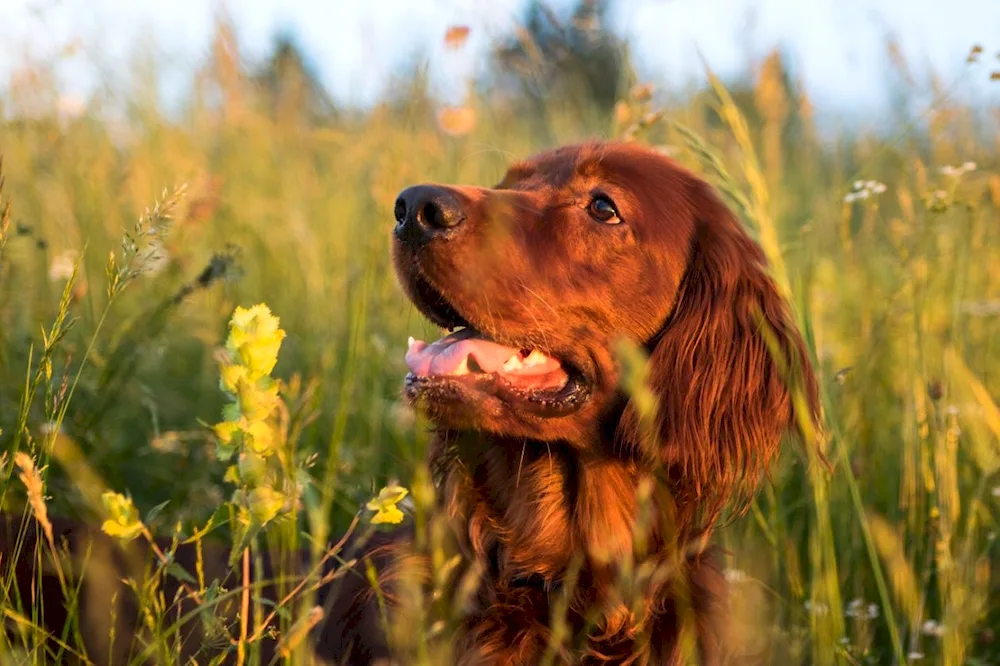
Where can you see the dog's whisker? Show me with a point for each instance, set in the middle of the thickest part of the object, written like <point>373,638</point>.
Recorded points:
<point>517,480</point>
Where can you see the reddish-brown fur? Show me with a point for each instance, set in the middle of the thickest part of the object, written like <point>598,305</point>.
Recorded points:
<point>527,496</point>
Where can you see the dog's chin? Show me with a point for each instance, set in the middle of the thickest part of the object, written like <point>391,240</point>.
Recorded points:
<point>456,406</point>
<point>489,404</point>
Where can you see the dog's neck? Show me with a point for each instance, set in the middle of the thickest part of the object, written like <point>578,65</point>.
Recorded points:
<point>526,511</point>
<point>526,508</point>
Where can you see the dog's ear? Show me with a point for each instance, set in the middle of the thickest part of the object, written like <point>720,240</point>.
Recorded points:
<point>724,393</point>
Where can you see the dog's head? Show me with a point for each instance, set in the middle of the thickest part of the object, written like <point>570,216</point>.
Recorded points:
<point>539,277</point>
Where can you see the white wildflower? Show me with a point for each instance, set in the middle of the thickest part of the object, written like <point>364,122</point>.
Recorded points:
<point>864,189</point>
<point>932,628</point>
<point>857,608</point>
<point>957,171</point>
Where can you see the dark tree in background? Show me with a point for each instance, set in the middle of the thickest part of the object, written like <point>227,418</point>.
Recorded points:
<point>289,87</point>
<point>572,57</point>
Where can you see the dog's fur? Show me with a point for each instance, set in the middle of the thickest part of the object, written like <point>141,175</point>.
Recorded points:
<point>531,495</point>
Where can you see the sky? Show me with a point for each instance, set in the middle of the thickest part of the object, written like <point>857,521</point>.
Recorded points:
<point>837,47</point>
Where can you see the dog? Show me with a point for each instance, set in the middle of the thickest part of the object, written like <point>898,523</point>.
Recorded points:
<point>538,451</point>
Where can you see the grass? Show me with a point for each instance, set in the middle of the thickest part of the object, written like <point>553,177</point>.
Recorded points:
<point>109,372</point>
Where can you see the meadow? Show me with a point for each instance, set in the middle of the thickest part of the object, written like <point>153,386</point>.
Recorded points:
<point>886,553</point>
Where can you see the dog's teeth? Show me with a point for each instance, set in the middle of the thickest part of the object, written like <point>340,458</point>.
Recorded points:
<point>511,364</point>
<point>410,342</point>
<point>463,368</point>
<point>535,358</point>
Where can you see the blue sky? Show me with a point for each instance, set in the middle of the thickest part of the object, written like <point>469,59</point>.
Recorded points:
<point>837,46</point>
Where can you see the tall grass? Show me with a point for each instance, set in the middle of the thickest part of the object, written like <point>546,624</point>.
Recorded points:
<point>108,373</point>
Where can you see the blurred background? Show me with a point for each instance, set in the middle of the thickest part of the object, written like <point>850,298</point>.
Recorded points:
<point>863,133</point>
<point>838,49</point>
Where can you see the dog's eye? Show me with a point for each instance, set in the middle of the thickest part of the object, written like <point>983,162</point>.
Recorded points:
<point>603,209</point>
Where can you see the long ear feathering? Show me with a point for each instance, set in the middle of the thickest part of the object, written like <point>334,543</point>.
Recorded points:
<point>724,399</point>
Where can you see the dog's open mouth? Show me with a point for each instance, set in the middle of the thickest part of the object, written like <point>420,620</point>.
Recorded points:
<point>467,359</point>
<point>467,352</point>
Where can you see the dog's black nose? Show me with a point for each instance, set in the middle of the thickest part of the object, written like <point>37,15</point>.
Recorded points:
<point>425,210</point>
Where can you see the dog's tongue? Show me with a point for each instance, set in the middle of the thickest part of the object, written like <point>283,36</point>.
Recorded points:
<point>467,352</point>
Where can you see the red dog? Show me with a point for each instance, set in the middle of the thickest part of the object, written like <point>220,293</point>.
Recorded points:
<point>538,452</point>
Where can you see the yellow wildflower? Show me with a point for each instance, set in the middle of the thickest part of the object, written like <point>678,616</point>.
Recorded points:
<point>261,355</point>
<point>232,475</point>
<point>253,321</point>
<point>252,468</point>
<point>256,403</point>
<point>259,438</point>
<point>385,507</point>
<point>123,518</point>
<point>230,376</point>
<point>230,436</point>
<point>264,504</point>
<point>255,339</point>
<point>251,353</point>
<point>226,430</point>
